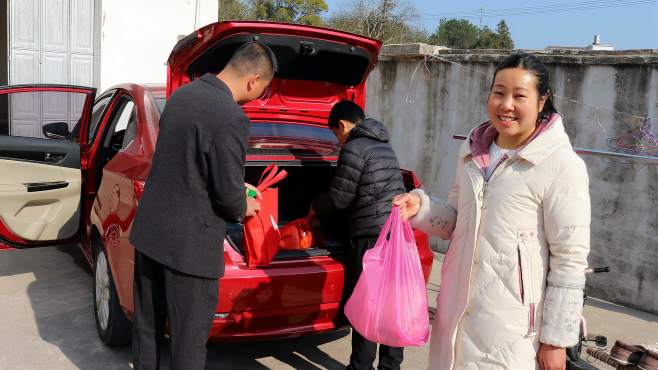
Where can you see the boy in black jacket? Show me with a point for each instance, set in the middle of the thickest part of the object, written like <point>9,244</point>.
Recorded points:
<point>367,178</point>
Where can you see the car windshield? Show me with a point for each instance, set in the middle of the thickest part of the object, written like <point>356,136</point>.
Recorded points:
<point>281,131</point>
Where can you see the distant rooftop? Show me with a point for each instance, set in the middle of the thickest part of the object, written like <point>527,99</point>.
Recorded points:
<point>596,45</point>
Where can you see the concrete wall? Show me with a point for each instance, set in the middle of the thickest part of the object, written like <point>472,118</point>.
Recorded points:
<point>424,100</point>
<point>138,35</point>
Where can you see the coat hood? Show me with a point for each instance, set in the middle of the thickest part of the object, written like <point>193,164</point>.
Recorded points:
<point>372,129</point>
<point>548,137</point>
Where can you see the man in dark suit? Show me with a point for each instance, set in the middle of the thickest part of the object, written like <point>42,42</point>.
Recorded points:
<point>195,186</point>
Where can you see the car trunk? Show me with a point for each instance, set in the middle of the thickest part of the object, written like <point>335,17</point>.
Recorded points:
<point>305,181</point>
<point>302,290</point>
<point>296,193</point>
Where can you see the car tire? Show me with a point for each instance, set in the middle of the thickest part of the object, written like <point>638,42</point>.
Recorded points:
<point>113,327</point>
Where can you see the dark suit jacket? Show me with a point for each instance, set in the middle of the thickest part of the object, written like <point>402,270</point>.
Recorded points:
<point>196,183</point>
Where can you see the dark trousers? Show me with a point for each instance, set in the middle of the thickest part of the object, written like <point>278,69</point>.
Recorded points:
<point>363,350</point>
<point>188,302</point>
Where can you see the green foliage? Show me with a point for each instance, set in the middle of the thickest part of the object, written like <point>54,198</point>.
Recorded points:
<point>487,39</point>
<point>504,36</point>
<point>233,10</point>
<point>289,11</point>
<point>455,33</point>
<point>462,34</point>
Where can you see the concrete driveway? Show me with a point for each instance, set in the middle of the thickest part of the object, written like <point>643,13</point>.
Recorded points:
<point>47,322</point>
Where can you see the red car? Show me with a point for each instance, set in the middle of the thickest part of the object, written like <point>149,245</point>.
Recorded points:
<point>86,189</point>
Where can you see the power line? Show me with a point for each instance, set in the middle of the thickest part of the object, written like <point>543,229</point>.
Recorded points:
<point>544,6</point>
<point>548,8</point>
<point>529,10</point>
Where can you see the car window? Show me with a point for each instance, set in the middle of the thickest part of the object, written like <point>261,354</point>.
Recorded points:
<point>275,129</point>
<point>266,129</point>
<point>116,128</point>
<point>124,118</point>
<point>96,115</point>
<point>131,130</point>
<point>25,114</point>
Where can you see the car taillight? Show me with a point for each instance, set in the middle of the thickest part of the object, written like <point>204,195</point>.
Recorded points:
<point>410,179</point>
<point>138,187</point>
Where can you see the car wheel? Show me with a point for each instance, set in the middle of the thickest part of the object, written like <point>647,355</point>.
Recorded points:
<point>113,327</point>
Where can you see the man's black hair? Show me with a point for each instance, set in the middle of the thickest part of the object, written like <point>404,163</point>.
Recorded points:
<point>254,57</point>
<point>346,110</point>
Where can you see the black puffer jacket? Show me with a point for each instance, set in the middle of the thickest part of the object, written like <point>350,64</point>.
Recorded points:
<point>367,178</point>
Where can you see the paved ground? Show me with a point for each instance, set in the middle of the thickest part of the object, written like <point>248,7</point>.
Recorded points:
<point>46,322</point>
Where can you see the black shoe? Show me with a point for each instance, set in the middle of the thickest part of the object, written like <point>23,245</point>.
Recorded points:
<point>350,367</point>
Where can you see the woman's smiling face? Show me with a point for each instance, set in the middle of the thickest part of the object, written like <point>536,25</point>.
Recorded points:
<point>513,106</point>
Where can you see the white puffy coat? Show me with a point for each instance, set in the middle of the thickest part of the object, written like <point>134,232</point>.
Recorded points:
<point>514,272</point>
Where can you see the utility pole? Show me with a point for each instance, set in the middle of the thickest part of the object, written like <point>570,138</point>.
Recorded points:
<point>481,16</point>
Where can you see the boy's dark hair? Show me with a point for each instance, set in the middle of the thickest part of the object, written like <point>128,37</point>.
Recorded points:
<point>347,110</point>
<point>254,57</point>
<point>535,66</point>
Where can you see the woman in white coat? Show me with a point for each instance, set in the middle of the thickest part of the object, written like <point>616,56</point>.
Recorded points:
<point>518,218</point>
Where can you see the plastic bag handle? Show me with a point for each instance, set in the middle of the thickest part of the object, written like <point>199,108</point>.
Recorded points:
<point>394,216</point>
<point>409,232</point>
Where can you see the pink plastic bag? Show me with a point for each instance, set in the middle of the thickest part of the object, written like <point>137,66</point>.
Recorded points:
<point>389,303</point>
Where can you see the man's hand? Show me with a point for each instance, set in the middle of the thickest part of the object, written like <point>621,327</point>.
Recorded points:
<point>253,205</point>
<point>409,205</point>
<point>259,196</point>
<point>551,358</point>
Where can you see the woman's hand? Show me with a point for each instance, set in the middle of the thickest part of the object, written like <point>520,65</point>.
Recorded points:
<point>409,204</point>
<point>551,358</point>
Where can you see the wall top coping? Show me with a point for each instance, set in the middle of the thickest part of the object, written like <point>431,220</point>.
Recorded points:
<point>418,51</point>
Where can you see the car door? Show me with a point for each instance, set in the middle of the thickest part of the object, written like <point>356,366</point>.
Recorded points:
<point>41,176</point>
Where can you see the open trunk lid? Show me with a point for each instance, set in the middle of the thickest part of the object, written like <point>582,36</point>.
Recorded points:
<point>316,66</point>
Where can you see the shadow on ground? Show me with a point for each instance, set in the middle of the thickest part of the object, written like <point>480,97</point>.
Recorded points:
<point>60,298</point>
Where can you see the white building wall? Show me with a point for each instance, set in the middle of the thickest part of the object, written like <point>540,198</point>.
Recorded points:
<point>138,35</point>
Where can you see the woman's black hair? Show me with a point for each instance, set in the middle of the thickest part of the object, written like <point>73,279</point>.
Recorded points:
<point>533,65</point>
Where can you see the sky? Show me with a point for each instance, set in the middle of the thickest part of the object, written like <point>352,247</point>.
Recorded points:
<point>626,24</point>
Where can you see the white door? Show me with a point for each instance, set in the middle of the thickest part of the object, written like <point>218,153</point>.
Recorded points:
<point>50,42</point>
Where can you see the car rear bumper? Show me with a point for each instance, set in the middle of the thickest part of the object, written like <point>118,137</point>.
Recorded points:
<point>276,323</point>
<point>288,298</point>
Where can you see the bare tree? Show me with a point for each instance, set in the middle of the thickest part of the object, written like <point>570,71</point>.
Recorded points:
<point>233,10</point>
<point>387,20</point>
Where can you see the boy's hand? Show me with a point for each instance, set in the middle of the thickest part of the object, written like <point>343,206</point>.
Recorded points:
<point>409,205</point>
<point>253,205</point>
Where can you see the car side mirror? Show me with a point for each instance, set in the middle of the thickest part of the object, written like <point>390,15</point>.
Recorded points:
<point>56,130</point>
